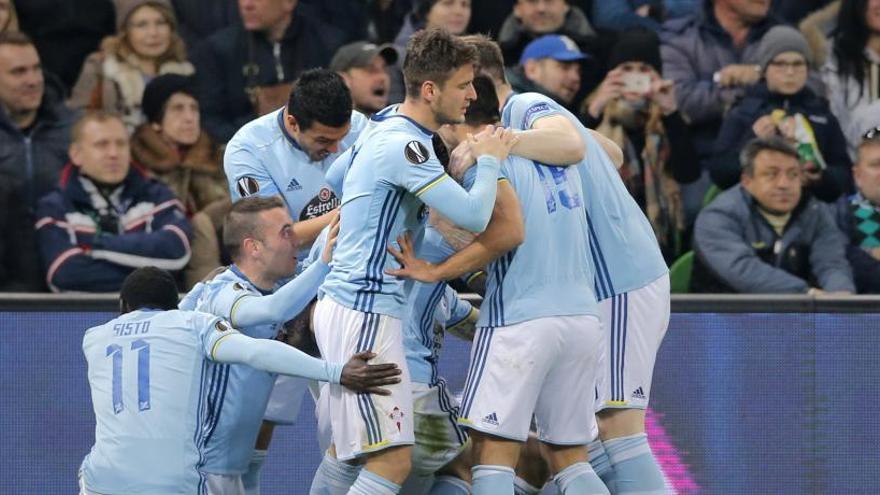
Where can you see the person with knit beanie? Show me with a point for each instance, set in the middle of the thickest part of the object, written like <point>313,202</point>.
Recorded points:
<point>783,105</point>
<point>146,45</point>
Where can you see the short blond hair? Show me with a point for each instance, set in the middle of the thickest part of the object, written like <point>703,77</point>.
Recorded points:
<point>100,116</point>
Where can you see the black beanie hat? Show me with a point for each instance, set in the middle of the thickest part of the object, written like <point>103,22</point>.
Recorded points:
<point>638,45</point>
<point>160,89</point>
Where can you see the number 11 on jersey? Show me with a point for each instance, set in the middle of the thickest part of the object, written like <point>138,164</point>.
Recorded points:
<point>143,374</point>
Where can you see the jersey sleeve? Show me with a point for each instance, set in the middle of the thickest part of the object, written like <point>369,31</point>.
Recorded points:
<point>525,109</point>
<point>459,309</point>
<point>212,331</point>
<point>245,173</point>
<point>226,299</point>
<point>419,168</point>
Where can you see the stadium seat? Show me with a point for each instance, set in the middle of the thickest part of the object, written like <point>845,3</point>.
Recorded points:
<point>680,273</point>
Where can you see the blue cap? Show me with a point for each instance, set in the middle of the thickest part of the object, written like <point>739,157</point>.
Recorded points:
<point>554,46</point>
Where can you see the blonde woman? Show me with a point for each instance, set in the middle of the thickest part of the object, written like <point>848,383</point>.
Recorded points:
<point>147,45</point>
<point>8,17</point>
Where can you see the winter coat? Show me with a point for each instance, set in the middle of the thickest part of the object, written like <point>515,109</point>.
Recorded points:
<point>866,268</point>
<point>736,249</point>
<point>19,259</point>
<point>196,176</point>
<point>857,109</point>
<point>693,50</point>
<point>90,244</point>
<point>736,131</point>
<point>116,85</point>
<point>233,62</point>
<point>32,161</point>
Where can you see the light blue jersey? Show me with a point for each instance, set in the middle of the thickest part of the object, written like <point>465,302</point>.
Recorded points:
<point>152,393</point>
<point>244,392</point>
<point>624,248</point>
<point>392,176</point>
<point>263,159</point>
<point>549,274</point>
<point>432,308</point>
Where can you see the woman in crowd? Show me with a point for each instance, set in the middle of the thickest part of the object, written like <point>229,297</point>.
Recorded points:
<point>852,71</point>
<point>782,104</point>
<point>8,17</point>
<point>636,108</point>
<point>147,45</point>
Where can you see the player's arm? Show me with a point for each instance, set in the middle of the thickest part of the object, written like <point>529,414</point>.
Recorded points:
<point>246,174</point>
<point>277,357</point>
<point>471,209</point>
<point>291,299</point>
<point>505,231</point>
<point>306,231</point>
<point>463,317</point>
<point>552,140</point>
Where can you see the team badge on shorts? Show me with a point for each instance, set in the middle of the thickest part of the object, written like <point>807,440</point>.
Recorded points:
<point>248,186</point>
<point>416,152</point>
<point>396,415</point>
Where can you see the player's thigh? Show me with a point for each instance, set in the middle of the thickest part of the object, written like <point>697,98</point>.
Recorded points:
<point>564,411</point>
<point>506,373</point>
<point>438,437</point>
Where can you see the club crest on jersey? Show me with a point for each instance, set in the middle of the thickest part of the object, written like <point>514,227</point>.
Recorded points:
<point>416,152</point>
<point>396,415</point>
<point>248,186</point>
<point>323,203</point>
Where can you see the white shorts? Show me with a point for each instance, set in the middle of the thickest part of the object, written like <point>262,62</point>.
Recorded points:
<point>224,484</point>
<point>286,399</point>
<point>545,366</point>
<point>364,423</point>
<point>439,438</point>
<point>633,325</point>
<point>322,415</point>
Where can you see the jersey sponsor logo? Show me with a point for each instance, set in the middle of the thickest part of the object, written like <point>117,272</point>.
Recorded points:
<point>491,419</point>
<point>416,152</point>
<point>324,202</point>
<point>293,185</point>
<point>638,393</point>
<point>248,186</point>
<point>221,326</point>
<point>396,415</point>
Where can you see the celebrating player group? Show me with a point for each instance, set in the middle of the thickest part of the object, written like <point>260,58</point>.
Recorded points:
<point>346,232</point>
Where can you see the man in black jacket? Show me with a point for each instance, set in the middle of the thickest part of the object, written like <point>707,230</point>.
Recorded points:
<point>858,216</point>
<point>245,70</point>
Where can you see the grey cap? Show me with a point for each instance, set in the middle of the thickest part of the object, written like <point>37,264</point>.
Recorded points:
<point>360,54</point>
<point>781,39</point>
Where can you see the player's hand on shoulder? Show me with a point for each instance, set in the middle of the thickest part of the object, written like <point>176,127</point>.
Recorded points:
<point>492,141</point>
<point>360,376</point>
<point>332,234</point>
<point>410,266</point>
<point>460,160</point>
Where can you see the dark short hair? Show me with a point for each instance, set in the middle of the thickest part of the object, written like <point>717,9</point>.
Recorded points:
<point>320,95</point>
<point>433,55</point>
<point>483,110</point>
<point>489,57</point>
<point>15,38</point>
<point>755,146</point>
<point>149,287</point>
<point>241,222</point>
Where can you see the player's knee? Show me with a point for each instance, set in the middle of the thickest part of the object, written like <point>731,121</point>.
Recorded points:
<point>614,423</point>
<point>559,457</point>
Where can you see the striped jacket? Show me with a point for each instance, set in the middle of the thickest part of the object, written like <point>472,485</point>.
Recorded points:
<point>90,242</point>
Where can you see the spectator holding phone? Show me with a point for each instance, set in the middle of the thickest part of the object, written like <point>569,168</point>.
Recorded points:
<point>782,105</point>
<point>636,108</point>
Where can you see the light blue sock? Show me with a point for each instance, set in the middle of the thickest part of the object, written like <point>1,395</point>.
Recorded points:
<point>251,479</point>
<point>334,477</point>
<point>450,485</point>
<point>370,483</point>
<point>550,488</point>
<point>635,469</point>
<point>492,480</point>
<point>601,463</point>
<point>580,479</point>
<point>523,487</point>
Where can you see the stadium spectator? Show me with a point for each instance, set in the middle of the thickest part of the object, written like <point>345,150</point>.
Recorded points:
<point>246,70</point>
<point>106,218</point>
<point>765,235</point>
<point>620,15</point>
<point>711,58</point>
<point>817,28</point>
<point>783,105</point>
<point>452,15</point>
<point>858,216</point>
<point>637,109</point>
<point>550,65</point>
<point>19,258</point>
<point>793,11</point>
<point>350,17</point>
<point>34,124</point>
<point>147,45</point>
<point>532,19</point>
<point>66,32</point>
<point>8,17</point>
<point>199,19</point>
<point>852,72</point>
<point>364,68</point>
<point>173,147</point>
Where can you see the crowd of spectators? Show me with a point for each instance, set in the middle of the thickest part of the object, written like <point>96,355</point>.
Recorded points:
<point>114,115</point>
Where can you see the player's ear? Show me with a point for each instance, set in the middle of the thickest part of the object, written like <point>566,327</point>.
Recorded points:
<point>291,121</point>
<point>429,89</point>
